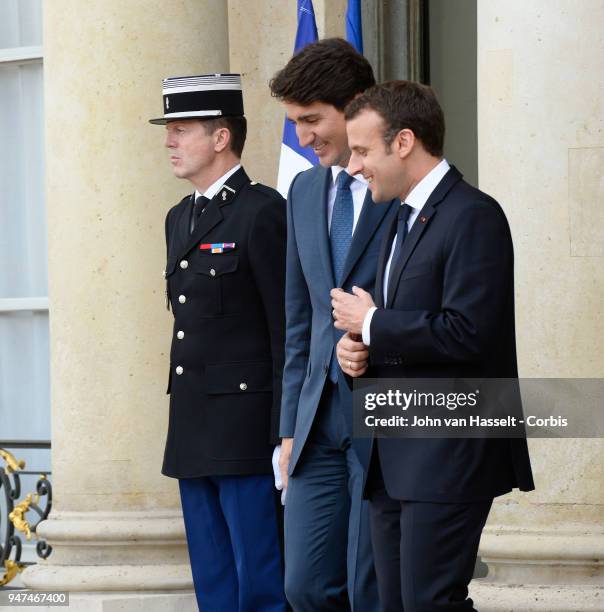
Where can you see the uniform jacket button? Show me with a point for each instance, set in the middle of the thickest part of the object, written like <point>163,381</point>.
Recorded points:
<point>180,335</point>
<point>179,370</point>
<point>182,299</point>
<point>212,272</point>
<point>242,386</point>
<point>184,264</point>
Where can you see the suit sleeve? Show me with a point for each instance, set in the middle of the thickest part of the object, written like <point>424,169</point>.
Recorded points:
<point>298,328</point>
<point>477,269</point>
<point>267,259</point>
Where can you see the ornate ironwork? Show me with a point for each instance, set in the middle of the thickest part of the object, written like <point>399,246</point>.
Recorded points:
<point>15,521</point>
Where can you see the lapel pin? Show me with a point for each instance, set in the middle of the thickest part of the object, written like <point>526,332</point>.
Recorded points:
<point>224,195</point>
<point>423,219</point>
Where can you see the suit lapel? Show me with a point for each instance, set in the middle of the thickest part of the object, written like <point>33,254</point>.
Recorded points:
<point>383,260</point>
<point>212,215</point>
<point>369,219</point>
<point>180,230</point>
<point>419,227</point>
<point>318,198</point>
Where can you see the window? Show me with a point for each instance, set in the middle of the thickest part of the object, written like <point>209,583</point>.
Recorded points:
<point>24,346</point>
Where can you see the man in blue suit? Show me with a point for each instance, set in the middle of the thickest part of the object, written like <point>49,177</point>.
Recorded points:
<point>334,233</point>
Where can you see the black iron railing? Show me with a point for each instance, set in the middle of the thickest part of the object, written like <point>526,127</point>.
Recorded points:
<point>19,517</point>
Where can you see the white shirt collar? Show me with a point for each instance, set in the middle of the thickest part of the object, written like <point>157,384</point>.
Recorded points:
<point>419,195</point>
<point>214,188</point>
<point>335,170</point>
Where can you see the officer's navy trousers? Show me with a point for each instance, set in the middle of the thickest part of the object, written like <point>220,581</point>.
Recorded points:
<point>328,557</point>
<point>233,538</point>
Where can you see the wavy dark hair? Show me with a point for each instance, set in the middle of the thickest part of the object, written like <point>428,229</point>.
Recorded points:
<point>405,105</point>
<point>329,70</point>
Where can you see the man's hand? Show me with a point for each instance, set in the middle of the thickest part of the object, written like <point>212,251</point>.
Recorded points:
<point>286,453</point>
<point>352,355</point>
<point>349,310</point>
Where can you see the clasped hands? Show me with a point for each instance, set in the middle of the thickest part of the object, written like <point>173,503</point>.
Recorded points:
<point>349,311</point>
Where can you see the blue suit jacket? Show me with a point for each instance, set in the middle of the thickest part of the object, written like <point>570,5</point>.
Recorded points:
<point>310,334</point>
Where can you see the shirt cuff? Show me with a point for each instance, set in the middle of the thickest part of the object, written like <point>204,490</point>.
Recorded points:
<point>367,325</point>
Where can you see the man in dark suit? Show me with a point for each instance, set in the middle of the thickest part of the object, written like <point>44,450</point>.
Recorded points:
<point>334,233</point>
<point>225,278</point>
<point>444,308</point>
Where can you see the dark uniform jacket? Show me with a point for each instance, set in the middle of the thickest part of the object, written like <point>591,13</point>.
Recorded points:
<point>226,359</point>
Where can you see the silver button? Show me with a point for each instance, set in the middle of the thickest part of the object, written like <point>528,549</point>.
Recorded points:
<point>179,370</point>
<point>242,386</point>
<point>180,335</point>
<point>184,264</point>
<point>182,299</point>
<point>212,272</point>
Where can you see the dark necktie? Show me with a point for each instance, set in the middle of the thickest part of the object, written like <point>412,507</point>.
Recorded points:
<point>340,235</point>
<point>401,234</point>
<point>200,204</point>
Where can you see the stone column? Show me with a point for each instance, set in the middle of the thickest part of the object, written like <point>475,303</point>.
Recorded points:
<point>116,527</point>
<point>541,154</point>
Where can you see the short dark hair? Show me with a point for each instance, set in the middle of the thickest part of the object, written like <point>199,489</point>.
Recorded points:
<point>405,105</point>
<point>237,126</point>
<point>329,70</point>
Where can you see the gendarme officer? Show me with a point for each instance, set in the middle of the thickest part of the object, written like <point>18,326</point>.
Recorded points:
<point>225,284</point>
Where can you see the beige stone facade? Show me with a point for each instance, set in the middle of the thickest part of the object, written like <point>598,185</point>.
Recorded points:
<point>116,527</point>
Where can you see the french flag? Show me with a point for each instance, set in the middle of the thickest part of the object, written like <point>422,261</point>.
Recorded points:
<point>294,158</point>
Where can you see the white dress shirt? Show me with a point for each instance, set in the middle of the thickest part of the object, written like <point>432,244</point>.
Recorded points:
<point>358,188</point>
<point>214,188</point>
<point>417,198</point>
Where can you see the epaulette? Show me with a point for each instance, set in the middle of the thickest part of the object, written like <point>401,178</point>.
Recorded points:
<point>265,189</point>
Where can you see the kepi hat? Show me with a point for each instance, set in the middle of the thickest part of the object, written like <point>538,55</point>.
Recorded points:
<point>196,97</point>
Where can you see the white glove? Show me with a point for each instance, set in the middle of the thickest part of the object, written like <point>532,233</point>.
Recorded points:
<point>277,473</point>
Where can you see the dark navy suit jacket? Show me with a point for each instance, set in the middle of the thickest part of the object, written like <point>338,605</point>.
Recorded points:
<point>449,313</point>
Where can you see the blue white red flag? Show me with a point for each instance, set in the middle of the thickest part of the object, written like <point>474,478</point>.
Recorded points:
<point>295,158</point>
<point>354,30</point>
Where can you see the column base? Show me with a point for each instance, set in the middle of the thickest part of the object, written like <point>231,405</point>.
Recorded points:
<point>112,552</point>
<point>125,602</point>
<point>566,557</point>
<point>539,571</point>
<point>492,597</point>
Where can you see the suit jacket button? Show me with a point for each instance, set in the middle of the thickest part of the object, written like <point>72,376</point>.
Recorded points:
<point>179,370</point>
<point>180,334</point>
<point>242,386</point>
<point>184,264</point>
<point>182,299</point>
<point>212,272</point>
